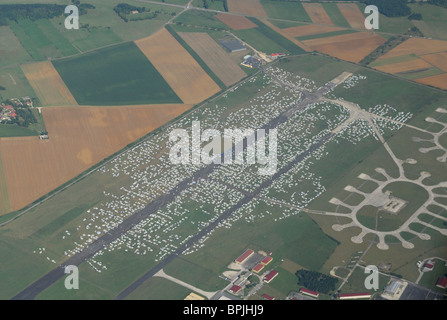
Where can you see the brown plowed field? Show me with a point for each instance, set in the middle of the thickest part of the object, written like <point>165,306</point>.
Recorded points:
<point>216,58</point>
<point>236,22</point>
<point>416,64</point>
<point>352,14</point>
<point>79,138</point>
<point>416,46</point>
<point>248,7</point>
<point>317,14</point>
<point>48,85</point>
<point>439,60</point>
<point>185,76</point>
<point>439,81</point>
<point>309,29</point>
<point>350,47</point>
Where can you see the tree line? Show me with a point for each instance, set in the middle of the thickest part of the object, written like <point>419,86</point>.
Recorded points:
<point>34,12</point>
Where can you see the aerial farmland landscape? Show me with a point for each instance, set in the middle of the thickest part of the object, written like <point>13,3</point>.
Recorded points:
<point>237,150</point>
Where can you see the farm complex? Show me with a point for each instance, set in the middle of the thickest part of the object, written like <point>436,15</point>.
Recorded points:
<point>346,127</point>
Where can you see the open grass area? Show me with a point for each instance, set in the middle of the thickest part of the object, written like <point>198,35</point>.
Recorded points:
<point>117,75</point>
<point>285,10</point>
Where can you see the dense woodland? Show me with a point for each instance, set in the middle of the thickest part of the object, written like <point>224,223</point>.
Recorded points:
<point>316,281</point>
<point>33,12</point>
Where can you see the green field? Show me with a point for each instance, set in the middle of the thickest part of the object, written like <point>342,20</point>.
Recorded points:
<point>117,75</point>
<point>285,10</point>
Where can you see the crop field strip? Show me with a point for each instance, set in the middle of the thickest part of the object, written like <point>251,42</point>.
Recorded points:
<point>185,76</point>
<point>217,59</point>
<point>306,30</point>
<point>48,85</point>
<point>317,13</point>
<point>352,14</point>
<point>4,194</point>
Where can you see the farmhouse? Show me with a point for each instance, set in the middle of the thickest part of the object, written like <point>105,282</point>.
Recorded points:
<point>268,278</point>
<point>258,268</point>
<point>309,293</point>
<point>442,283</point>
<point>266,260</point>
<point>351,296</point>
<point>428,267</point>
<point>267,297</point>
<point>232,45</point>
<point>244,256</point>
<point>235,289</point>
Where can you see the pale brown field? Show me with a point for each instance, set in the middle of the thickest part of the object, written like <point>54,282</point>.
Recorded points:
<point>248,7</point>
<point>350,47</point>
<point>439,81</point>
<point>79,138</point>
<point>48,85</point>
<point>309,29</point>
<point>236,22</point>
<point>352,14</point>
<point>439,60</point>
<point>416,46</point>
<point>415,64</point>
<point>214,56</point>
<point>317,14</point>
<point>185,76</point>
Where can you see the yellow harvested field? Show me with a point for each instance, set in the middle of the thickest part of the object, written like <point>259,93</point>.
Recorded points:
<point>185,76</point>
<point>350,47</point>
<point>48,85</point>
<point>248,7</point>
<point>417,46</point>
<point>216,58</point>
<point>439,81</point>
<point>439,60</point>
<point>352,14</point>
<point>309,29</point>
<point>79,138</point>
<point>412,65</point>
<point>236,22</point>
<point>317,14</point>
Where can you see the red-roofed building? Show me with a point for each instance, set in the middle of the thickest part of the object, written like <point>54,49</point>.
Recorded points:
<point>428,267</point>
<point>347,296</point>
<point>266,260</point>
<point>267,297</point>
<point>258,267</point>
<point>235,289</point>
<point>442,283</point>
<point>244,256</point>
<point>270,276</point>
<point>309,292</point>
